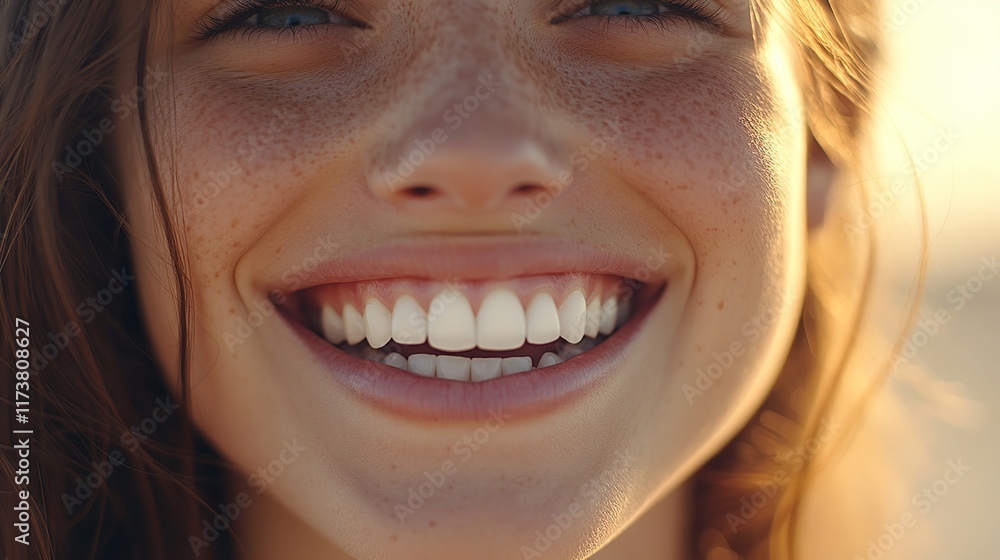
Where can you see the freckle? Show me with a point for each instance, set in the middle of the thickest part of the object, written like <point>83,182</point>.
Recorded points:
<point>698,348</point>
<point>234,223</point>
<point>392,467</point>
<point>393,538</point>
<point>432,523</point>
<point>721,304</point>
<point>278,251</point>
<point>232,311</point>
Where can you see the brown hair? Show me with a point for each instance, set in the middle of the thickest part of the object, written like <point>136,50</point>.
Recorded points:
<point>64,235</point>
<point>98,487</point>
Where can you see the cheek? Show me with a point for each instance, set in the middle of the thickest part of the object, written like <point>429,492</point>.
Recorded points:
<point>243,153</point>
<point>699,146</point>
<point>713,149</point>
<point>708,143</point>
<point>715,152</point>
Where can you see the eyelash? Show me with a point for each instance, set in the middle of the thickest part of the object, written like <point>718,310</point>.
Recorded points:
<point>685,11</point>
<point>232,18</point>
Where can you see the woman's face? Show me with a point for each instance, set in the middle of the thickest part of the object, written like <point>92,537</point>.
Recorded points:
<point>464,190</point>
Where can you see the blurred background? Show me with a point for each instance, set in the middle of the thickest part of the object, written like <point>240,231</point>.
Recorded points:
<point>941,100</point>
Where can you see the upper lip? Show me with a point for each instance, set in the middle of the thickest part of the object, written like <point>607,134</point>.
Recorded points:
<point>457,259</point>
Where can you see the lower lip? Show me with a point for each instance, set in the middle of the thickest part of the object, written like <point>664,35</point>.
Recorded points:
<point>522,396</point>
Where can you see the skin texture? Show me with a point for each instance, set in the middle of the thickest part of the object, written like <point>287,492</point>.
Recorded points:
<point>298,130</point>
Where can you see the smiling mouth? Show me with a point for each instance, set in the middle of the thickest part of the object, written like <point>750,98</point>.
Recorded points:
<point>470,331</point>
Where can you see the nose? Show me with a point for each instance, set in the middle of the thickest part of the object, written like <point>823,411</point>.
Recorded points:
<point>478,152</point>
<point>466,176</point>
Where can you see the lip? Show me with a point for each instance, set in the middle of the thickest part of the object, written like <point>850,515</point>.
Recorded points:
<point>522,396</point>
<point>446,258</point>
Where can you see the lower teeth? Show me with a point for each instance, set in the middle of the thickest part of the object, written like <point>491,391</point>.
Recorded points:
<point>462,368</point>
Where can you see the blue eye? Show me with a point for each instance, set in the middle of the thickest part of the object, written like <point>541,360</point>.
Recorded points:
<point>273,15</point>
<point>638,11</point>
<point>623,8</point>
<point>289,16</point>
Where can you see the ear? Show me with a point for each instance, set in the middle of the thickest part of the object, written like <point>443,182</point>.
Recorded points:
<point>820,176</point>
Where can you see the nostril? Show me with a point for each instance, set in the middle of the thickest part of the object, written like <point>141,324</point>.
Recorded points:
<point>419,191</point>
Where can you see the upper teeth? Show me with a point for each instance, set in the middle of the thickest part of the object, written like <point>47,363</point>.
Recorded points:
<point>450,325</point>
<point>501,323</point>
